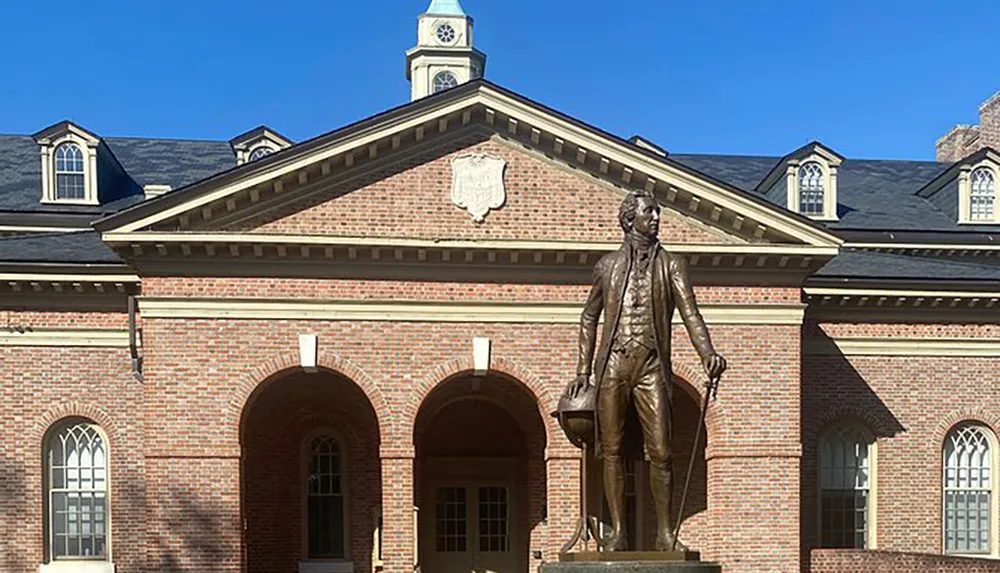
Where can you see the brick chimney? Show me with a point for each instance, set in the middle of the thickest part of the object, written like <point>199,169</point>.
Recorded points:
<point>964,140</point>
<point>989,122</point>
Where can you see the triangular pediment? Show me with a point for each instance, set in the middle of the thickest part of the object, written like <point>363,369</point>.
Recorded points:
<point>377,171</point>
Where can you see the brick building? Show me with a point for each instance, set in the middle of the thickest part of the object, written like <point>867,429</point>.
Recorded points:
<point>267,356</point>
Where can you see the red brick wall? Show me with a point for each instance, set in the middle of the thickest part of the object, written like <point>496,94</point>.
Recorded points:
<point>908,403</point>
<point>40,387</point>
<point>544,203</point>
<point>856,561</point>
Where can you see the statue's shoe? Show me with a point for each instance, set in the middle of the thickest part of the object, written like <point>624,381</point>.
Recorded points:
<point>617,541</point>
<point>666,543</point>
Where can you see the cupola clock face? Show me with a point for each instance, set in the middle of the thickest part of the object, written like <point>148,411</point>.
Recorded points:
<point>445,33</point>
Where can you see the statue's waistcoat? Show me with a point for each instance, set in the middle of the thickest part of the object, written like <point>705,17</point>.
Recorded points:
<point>635,323</point>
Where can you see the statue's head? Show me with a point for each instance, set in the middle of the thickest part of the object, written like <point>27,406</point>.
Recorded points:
<point>640,213</point>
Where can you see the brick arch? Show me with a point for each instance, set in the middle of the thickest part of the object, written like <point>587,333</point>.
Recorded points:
<point>279,365</point>
<point>71,410</point>
<point>692,381</point>
<point>982,415</point>
<point>448,370</point>
<point>878,427</point>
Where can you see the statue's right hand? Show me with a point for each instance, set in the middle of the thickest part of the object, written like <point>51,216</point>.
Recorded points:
<point>577,386</point>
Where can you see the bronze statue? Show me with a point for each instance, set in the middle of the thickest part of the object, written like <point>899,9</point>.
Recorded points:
<point>638,286</point>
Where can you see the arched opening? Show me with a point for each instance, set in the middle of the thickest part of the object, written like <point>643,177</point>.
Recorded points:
<point>310,475</point>
<point>480,476</point>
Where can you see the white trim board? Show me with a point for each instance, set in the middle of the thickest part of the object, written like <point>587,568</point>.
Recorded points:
<point>66,338</point>
<point>394,311</point>
<point>894,346</point>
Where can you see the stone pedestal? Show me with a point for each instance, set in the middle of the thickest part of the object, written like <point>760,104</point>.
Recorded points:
<point>630,562</point>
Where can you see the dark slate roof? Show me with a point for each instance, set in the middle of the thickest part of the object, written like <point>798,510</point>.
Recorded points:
<point>743,171</point>
<point>173,162</point>
<point>80,247</point>
<point>862,264</point>
<point>147,161</point>
<point>20,173</point>
<point>871,194</point>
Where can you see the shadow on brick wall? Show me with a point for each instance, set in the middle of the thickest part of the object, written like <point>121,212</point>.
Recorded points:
<point>833,392</point>
<point>13,503</point>
<point>194,538</point>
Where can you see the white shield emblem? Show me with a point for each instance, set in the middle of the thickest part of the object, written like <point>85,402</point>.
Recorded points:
<point>477,184</point>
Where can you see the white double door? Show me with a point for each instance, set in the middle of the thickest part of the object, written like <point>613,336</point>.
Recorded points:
<point>468,525</point>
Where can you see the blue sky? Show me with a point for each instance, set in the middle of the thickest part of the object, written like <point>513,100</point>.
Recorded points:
<point>869,78</point>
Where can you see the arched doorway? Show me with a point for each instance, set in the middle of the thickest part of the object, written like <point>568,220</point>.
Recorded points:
<point>480,481</point>
<point>310,473</point>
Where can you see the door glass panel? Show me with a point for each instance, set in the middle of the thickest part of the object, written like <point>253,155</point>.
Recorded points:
<point>493,519</point>
<point>450,520</point>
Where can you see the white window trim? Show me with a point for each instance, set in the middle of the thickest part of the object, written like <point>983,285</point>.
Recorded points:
<point>78,565</point>
<point>89,149</point>
<point>871,533</point>
<point>316,565</point>
<point>829,168</point>
<point>991,437</point>
<point>965,193</point>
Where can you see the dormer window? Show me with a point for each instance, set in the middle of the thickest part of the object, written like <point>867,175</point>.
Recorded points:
<point>257,144</point>
<point>71,174</point>
<point>260,153</point>
<point>69,164</point>
<point>982,197</point>
<point>811,201</point>
<point>967,190</point>
<point>805,181</point>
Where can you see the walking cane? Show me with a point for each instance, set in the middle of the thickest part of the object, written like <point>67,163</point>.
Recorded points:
<point>710,392</point>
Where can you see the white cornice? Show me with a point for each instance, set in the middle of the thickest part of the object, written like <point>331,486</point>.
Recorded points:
<point>765,217</point>
<point>493,245</point>
<point>69,278</point>
<point>66,338</point>
<point>418,311</point>
<point>896,346</point>
<point>628,156</point>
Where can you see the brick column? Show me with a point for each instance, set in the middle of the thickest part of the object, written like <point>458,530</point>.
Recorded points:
<point>399,536</point>
<point>754,452</point>
<point>563,479</point>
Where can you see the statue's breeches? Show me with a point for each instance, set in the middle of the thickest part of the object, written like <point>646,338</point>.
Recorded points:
<point>634,375</point>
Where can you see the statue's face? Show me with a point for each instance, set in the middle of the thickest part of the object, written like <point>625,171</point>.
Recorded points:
<point>647,218</point>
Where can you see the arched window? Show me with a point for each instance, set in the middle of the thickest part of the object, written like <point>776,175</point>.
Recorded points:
<point>262,151</point>
<point>845,461</point>
<point>983,195</point>
<point>76,464</point>
<point>327,532</point>
<point>444,80</point>
<point>70,172</point>
<point>811,189</point>
<point>968,489</point>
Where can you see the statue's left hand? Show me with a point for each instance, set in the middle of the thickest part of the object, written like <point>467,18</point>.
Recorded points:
<point>715,365</point>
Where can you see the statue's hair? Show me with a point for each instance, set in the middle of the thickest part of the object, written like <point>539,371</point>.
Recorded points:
<point>626,214</point>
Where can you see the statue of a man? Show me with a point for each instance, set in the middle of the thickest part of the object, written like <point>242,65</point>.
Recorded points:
<point>638,286</point>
